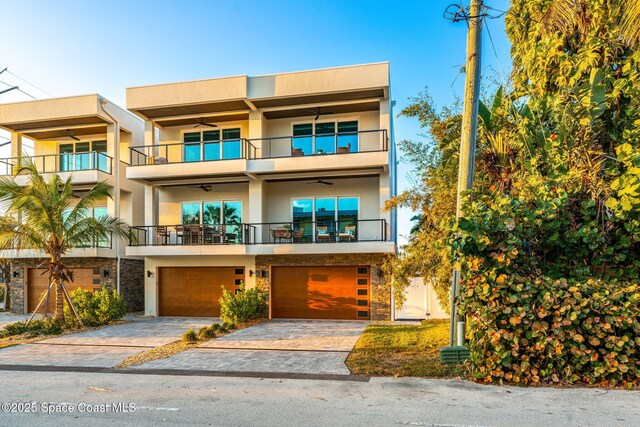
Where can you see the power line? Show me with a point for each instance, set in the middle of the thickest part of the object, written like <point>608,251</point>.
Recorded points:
<point>26,81</point>
<point>18,89</point>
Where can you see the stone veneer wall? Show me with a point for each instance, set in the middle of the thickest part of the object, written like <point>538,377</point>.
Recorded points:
<point>132,283</point>
<point>380,285</point>
<point>131,286</point>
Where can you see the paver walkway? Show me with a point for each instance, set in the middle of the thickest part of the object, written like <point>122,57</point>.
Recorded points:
<point>282,346</point>
<point>105,347</point>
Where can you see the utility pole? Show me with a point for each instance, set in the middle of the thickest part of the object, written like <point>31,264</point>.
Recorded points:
<point>468,134</point>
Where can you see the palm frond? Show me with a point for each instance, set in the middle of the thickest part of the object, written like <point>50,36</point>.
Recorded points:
<point>561,16</point>
<point>630,21</point>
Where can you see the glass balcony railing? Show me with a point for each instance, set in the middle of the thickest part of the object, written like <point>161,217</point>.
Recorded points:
<point>65,162</point>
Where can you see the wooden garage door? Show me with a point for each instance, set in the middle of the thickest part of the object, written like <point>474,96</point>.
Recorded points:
<point>320,292</point>
<point>37,283</point>
<point>195,291</point>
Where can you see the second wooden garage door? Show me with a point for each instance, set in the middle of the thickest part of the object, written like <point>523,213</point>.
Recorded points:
<point>195,291</point>
<point>37,283</point>
<point>320,292</point>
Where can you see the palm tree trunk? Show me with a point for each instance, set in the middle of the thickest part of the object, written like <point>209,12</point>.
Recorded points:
<point>59,313</point>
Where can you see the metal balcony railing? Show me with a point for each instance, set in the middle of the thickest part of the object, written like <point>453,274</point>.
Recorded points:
<point>297,231</point>
<point>321,144</point>
<point>65,162</point>
<point>188,152</point>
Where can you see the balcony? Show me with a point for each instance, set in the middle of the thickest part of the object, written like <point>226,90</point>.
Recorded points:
<point>87,168</point>
<point>261,238</point>
<point>98,248</point>
<point>189,159</point>
<point>368,148</point>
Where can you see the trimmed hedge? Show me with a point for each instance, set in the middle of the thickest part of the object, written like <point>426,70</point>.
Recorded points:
<point>250,304</point>
<point>532,330</point>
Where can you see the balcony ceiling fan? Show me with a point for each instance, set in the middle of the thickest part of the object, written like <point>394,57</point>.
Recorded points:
<point>202,123</point>
<point>204,187</point>
<point>320,181</point>
<point>318,112</point>
<point>70,135</point>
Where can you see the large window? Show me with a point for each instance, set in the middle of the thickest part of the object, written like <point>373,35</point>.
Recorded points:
<point>325,137</point>
<point>207,145</point>
<point>212,213</point>
<point>83,155</point>
<point>331,214</point>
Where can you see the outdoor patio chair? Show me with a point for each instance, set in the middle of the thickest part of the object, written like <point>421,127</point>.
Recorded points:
<point>296,236</point>
<point>162,235</point>
<point>281,233</point>
<point>296,152</point>
<point>322,234</point>
<point>344,150</point>
<point>220,233</point>
<point>195,234</point>
<point>349,233</point>
<point>179,234</point>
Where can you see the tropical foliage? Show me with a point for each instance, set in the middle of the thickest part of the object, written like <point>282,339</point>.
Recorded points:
<point>548,255</point>
<point>96,308</point>
<point>246,305</point>
<point>47,215</point>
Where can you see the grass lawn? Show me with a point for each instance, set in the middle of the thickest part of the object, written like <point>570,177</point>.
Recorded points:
<point>403,350</point>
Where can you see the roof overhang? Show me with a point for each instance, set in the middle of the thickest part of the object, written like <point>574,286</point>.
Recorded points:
<point>342,86</point>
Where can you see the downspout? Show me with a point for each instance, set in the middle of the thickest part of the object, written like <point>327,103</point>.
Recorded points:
<point>116,174</point>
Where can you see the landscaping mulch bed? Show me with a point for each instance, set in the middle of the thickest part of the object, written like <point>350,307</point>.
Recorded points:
<point>404,350</point>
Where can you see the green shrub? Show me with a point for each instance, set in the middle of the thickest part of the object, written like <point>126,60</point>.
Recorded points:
<point>35,328</point>
<point>247,305</point>
<point>215,327</point>
<point>190,336</point>
<point>206,333</point>
<point>531,330</point>
<point>96,308</point>
<point>223,328</point>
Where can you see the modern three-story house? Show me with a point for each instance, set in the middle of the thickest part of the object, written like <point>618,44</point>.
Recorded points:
<point>88,138</point>
<point>276,181</point>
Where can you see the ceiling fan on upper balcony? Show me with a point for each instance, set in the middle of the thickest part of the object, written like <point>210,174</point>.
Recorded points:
<point>318,112</point>
<point>71,135</point>
<point>320,181</point>
<point>203,187</point>
<point>202,123</point>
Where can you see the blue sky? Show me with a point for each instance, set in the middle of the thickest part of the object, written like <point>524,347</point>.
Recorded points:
<point>70,47</point>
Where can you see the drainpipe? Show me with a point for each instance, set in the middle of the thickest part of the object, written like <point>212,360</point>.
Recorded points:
<point>116,174</point>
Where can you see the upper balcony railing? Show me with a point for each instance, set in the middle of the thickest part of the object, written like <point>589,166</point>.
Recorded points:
<point>187,152</point>
<point>321,144</point>
<point>65,162</point>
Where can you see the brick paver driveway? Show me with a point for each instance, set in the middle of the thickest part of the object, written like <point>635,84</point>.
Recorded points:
<point>105,347</point>
<point>282,346</point>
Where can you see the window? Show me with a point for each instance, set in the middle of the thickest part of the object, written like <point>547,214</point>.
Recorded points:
<point>207,145</point>
<point>212,213</point>
<point>190,213</point>
<point>83,155</point>
<point>325,137</point>
<point>329,213</point>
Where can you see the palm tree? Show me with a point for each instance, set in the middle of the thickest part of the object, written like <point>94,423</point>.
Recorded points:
<point>47,215</point>
<point>5,272</point>
<point>567,16</point>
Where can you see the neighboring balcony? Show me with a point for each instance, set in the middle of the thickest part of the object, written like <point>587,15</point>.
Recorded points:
<point>88,167</point>
<point>99,248</point>
<point>367,148</point>
<point>262,238</point>
<point>189,159</point>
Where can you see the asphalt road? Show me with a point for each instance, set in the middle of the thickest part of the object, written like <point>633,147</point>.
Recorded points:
<point>185,400</point>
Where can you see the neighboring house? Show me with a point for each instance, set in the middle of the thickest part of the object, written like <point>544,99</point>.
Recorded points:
<point>276,181</point>
<point>88,138</point>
